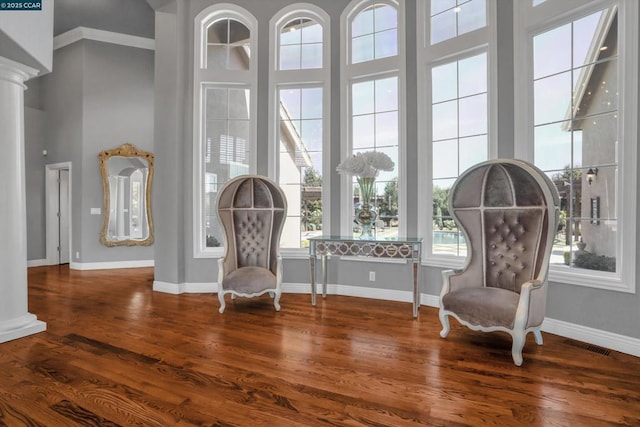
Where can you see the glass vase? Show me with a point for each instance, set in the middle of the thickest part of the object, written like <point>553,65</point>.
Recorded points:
<point>366,214</point>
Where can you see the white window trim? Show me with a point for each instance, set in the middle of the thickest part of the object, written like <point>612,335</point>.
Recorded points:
<point>460,47</point>
<point>396,66</point>
<point>549,15</point>
<point>224,78</point>
<point>312,77</point>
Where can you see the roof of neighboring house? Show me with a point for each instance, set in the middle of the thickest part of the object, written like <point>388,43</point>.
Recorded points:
<point>290,136</point>
<point>604,42</point>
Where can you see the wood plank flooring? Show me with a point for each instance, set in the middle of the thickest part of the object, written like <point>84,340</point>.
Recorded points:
<point>117,353</point>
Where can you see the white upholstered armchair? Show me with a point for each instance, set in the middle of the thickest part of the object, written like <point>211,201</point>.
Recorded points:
<point>252,210</point>
<point>508,210</point>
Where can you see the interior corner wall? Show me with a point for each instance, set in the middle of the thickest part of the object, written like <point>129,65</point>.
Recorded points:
<point>61,100</point>
<point>98,96</point>
<point>171,180</point>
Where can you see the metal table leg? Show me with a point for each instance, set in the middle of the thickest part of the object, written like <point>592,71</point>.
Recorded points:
<point>324,276</point>
<point>312,265</point>
<point>416,288</point>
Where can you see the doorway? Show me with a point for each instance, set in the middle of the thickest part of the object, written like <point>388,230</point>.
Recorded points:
<point>58,213</point>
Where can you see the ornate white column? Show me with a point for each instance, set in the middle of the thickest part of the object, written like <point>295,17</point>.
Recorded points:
<point>15,320</point>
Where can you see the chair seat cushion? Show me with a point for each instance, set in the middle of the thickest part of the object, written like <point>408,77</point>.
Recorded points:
<point>249,280</point>
<point>483,306</point>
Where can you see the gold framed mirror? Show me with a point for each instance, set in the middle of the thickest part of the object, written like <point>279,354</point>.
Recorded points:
<point>127,174</point>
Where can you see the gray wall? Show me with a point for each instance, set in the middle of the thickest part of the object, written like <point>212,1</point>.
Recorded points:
<point>98,97</point>
<point>170,188</point>
<point>61,100</point>
<point>34,137</point>
<point>117,107</point>
<point>605,310</point>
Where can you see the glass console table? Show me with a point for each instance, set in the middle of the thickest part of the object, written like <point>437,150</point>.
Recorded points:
<point>409,249</point>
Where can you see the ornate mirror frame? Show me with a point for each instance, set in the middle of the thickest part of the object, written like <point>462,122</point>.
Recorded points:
<point>125,150</point>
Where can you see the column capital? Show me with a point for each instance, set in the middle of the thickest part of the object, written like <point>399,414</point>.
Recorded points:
<point>15,72</point>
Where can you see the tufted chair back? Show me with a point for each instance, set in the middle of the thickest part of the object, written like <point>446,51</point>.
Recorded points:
<point>508,210</point>
<point>252,211</point>
<point>505,210</point>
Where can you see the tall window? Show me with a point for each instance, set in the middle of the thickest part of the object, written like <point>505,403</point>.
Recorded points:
<point>375,79</point>
<point>575,87</point>
<point>580,86</point>
<point>455,130</point>
<point>459,138</point>
<point>224,111</point>
<point>374,120</point>
<point>299,83</point>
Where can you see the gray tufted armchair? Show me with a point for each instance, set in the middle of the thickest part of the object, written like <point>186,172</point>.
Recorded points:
<point>252,210</point>
<point>508,210</point>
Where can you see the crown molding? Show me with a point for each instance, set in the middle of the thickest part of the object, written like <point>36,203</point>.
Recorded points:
<point>84,33</point>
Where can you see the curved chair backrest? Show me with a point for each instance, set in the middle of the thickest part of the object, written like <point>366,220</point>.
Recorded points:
<point>508,210</point>
<point>252,210</point>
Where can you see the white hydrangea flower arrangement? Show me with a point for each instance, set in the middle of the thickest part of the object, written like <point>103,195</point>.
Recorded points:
<point>366,165</point>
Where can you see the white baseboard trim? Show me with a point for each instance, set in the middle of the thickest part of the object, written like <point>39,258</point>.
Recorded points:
<point>168,288</point>
<point>185,288</point>
<point>110,265</point>
<point>430,300</point>
<point>36,262</point>
<point>201,288</point>
<point>349,291</point>
<point>292,288</point>
<point>617,342</point>
<point>374,293</point>
<point>598,337</point>
<point>296,288</point>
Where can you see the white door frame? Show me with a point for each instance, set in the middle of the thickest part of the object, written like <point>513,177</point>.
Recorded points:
<point>51,211</point>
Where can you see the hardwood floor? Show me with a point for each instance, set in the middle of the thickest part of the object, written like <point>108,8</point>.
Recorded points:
<point>117,353</point>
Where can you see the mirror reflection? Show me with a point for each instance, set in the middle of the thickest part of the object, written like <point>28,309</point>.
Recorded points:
<point>127,173</point>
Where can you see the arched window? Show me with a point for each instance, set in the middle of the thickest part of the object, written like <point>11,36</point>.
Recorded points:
<point>374,91</point>
<point>450,19</point>
<point>299,120</point>
<point>301,42</point>
<point>228,45</point>
<point>224,113</point>
<point>374,33</point>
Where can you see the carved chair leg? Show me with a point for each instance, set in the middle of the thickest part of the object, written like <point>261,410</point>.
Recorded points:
<point>444,319</point>
<point>276,300</point>
<point>538,336</point>
<point>516,350</point>
<point>221,299</point>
